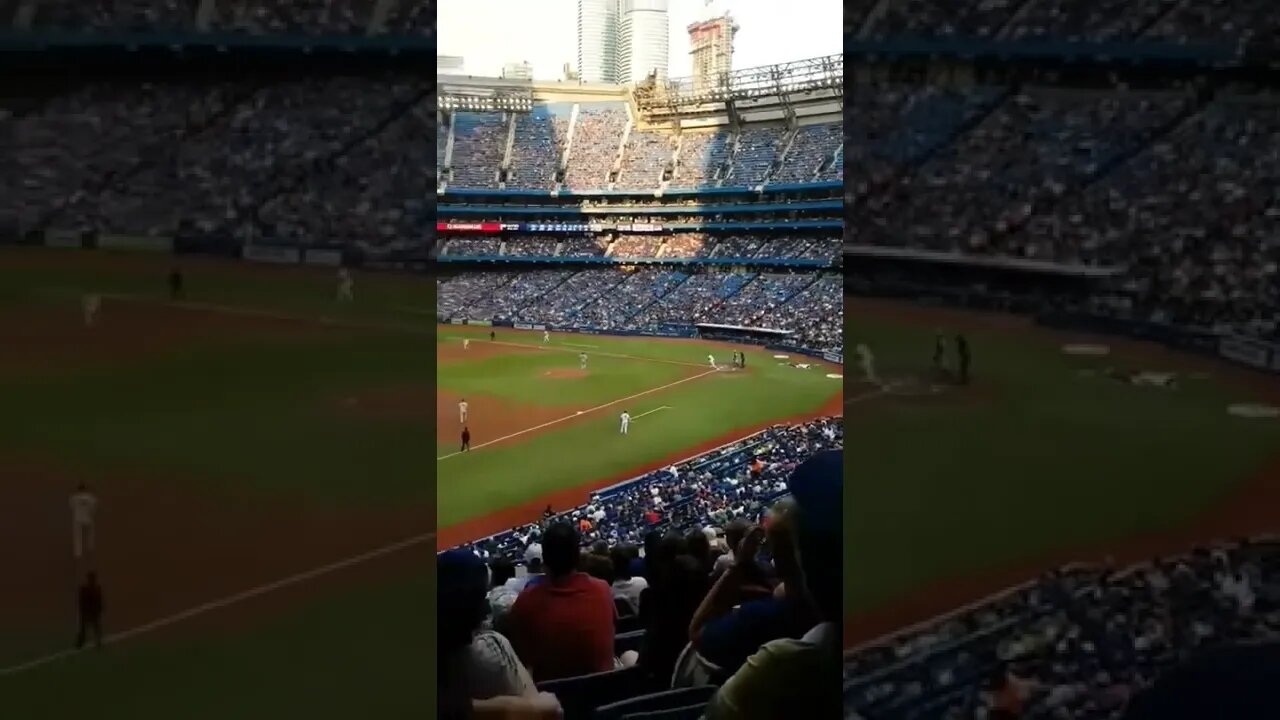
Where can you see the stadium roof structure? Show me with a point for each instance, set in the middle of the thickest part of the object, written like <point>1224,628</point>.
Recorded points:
<point>801,76</point>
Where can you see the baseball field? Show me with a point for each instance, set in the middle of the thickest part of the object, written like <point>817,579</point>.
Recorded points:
<point>1048,456</point>
<point>266,515</point>
<point>545,430</point>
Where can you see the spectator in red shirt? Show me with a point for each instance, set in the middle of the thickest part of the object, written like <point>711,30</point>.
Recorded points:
<point>563,626</point>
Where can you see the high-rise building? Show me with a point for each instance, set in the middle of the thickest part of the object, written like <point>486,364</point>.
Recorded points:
<point>598,41</point>
<point>449,64</point>
<point>517,71</point>
<point>711,49</point>
<point>643,40</point>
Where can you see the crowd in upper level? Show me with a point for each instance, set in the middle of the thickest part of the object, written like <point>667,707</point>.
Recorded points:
<point>258,17</point>
<point>1176,188</point>
<point>601,148</point>
<point>1227,22</point>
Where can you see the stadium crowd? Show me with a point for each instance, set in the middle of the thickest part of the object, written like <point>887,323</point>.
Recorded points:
<point>313,159</point>
<point>259,17</point>
<point>1171,189</point>
<point>808,306</point>
<point>602,150</point>
<point>1229,22</point>
<point>1079,643</point>
<point>657,593</point>
<point>689,245</point>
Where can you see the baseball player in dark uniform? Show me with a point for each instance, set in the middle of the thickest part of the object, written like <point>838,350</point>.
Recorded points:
<point>90,605</point>
<point>175,284</point>
<point>962,358</point>
<point>939,352</point>
<point>466,439</point>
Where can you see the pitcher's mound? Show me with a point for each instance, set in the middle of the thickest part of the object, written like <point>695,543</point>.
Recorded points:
<point>564,374</point>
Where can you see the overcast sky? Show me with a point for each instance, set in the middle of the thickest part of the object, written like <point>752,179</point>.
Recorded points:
<point>490,33</point>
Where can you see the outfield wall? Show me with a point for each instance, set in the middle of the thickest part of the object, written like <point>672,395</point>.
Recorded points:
<point>1248,352</point>
<point>688,332</point>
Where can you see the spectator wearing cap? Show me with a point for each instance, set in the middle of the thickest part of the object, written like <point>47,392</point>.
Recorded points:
<point>472,664</point>
<point>791,676</point>
<point>626,586</point>
<point>504,586</point>
<point>533,564</point>
<point>733,534</point>
<point>564,626</point>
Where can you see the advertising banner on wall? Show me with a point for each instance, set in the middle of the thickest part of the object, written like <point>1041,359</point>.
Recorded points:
<point>271,254</point>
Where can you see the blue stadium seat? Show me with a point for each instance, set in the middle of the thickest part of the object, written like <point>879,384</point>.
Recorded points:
<point>627,624</point>
<point>660,702</point>
<point>623,642</point>
<point>623,607</point>
<point>691,712</point>
<point>581,695</point>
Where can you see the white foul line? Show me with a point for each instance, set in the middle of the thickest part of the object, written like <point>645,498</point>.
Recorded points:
<point>650,412</point>
<point>580,413</point>
<point>232,600</point>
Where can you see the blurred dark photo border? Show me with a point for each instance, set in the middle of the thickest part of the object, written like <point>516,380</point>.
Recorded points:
<point>216,299</point>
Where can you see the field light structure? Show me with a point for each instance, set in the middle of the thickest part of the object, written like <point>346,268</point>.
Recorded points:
<point>815,74</point>
<point>493,101</point>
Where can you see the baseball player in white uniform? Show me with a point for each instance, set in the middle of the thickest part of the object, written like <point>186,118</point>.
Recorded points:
<point>462,411</point>
<point>626,422</point>
<point>466,343</point>
<point>90,304</point>
<point>867,363</point>
<point>546,336</point>
<point>582,361</point>
<point>84,508</point>
<point>346,286</point>
<point>712,359</point>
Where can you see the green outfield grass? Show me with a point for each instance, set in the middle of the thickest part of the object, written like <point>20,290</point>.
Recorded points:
<point>240,421</point>
<point>678,408</point>
<point>1036,459</point>
<point>358,654</point>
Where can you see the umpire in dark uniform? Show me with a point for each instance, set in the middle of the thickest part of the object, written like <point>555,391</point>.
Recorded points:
<point>466,439</point>
<point>962,358</point>
<point>175,284</point>
<point>90,606</point>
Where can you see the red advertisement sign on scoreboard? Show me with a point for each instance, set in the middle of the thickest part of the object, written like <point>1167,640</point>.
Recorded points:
<point>468,227</point>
